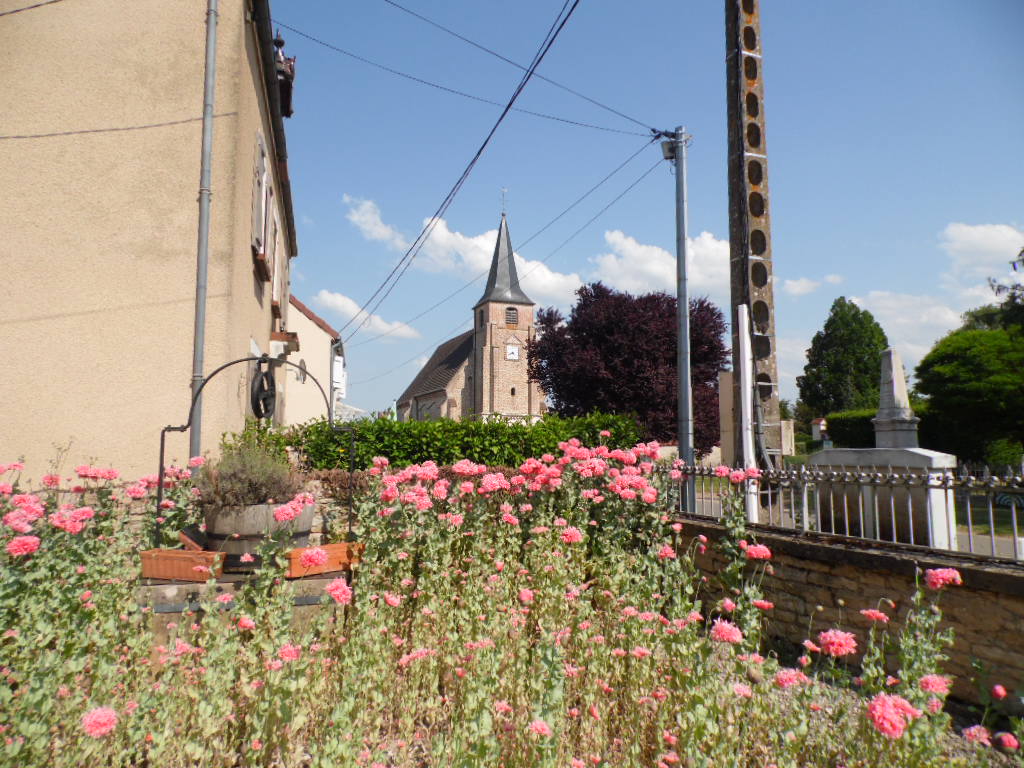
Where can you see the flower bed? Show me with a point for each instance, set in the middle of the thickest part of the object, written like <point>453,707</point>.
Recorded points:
<point>548,617</point>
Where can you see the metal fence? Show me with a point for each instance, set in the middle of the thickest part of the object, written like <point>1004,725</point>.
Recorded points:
<point>980,513</point>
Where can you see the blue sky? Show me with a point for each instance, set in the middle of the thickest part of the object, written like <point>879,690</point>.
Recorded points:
<point>893,134</point>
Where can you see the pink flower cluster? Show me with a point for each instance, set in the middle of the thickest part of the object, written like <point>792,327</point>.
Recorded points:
<point>724,631</point>
<point>837,643</point>
<point>293,508</point>
<point>71,519</point>
<point>340,591</point>
<point>20,546</point>
<point>313,557</point>
<point>89,472</point>
<point>938,578</point>
<point>891,714</point>
<point>99,722</point>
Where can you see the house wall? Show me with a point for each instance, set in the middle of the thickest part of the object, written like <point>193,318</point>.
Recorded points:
<point>304,399</point>
<point>99,230</point>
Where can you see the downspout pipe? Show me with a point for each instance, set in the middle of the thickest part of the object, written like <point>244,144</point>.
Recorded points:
<point>203,240</point>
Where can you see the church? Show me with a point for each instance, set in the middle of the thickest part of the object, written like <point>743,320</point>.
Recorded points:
<point>482,373</point>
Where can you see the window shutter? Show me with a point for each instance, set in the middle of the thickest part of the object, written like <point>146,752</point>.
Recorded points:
<point>258,196</point>
<point>275,275</point>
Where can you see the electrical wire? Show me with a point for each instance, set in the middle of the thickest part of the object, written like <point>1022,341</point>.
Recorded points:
<point>410,255</point>
<point>507,60</point>
<point>30,7</point>
<point>483,274</point>
<point>446,88</point>
<point>116,129</point>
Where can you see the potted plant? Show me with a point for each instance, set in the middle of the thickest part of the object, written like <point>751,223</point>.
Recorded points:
<point>239,494</point>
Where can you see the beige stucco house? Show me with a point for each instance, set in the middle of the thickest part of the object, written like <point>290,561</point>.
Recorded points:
<point>482,373</point>
<point>320,358</point>
<point>98,224</point>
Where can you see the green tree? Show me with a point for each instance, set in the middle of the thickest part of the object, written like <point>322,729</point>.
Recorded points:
<point>974,382</point>
<point>844,362</point>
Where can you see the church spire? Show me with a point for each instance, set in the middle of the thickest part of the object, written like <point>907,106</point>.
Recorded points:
<point>503,280</point>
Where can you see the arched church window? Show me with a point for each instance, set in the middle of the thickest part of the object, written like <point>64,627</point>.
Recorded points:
<point>511,316</point>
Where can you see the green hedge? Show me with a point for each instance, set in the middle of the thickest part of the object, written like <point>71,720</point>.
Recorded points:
<point>853,429</point>
<point>495,443</point>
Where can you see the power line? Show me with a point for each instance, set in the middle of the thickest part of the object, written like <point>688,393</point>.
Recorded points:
<point>410,255</point>
<point>30,7</point>
<point>497,55</point>
<point>116,129</point>
<point>446,88</point>
<point>476,279</point>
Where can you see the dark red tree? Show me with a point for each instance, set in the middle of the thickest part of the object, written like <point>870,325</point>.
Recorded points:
<point>617,353</point>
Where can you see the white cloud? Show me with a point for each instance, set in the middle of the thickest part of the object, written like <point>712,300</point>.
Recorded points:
<point>833,279</point>
<point>800,286</point>
<point>346,308</point>
<point>638,268</point>
<point>980,251</point>
<point>366,216</point>
<point>912,322</point>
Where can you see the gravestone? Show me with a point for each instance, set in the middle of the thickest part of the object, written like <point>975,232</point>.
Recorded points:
<point>895,423</point>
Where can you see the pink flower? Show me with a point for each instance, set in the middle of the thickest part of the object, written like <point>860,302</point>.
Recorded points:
<point>758,552</point>
<point>810,646</point>
<point>937,578</point>
<point>22,545</point>
<point>737,476</point>
<point>764,605</point>
<point>726,632</point>
<point>837,643</point>
<point>891,714</point>
<point>998,692</point>
<point>19,520</point>
<point>572,535</point>
<point>935,684</point>
<point>51,481</point>
<point>728,605</point>
<point>1008,741</point>
<point>605,433</point>
<point>640,652</point>
<point>392,599</point>
<point>649,496</point>
<point>786,677</point>
<point>502,707</point>
<point>315,556</point>
<point>540,728</point>
<point>874,615</point>
<point>245,622</point>
<point>722,471</point>
<point>742,690</point>
<point>196,461</point>
<point>99,722</point>
<point>753,473</point>
<point>978,734</point>
<point>287,512</point>
<point>666,552</point>
<point>509,518</point>
<point>246,558</point>
<point>526,596</point>
<point>289,652</point>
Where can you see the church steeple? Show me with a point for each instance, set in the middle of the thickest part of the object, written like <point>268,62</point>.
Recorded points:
<point>503,280</point>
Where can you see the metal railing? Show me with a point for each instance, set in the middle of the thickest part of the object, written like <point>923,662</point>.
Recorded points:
<point>980,513</point>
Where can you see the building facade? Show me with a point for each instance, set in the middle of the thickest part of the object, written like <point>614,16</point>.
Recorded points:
<point>482,373</point>
<point>320,358</point>
<point>100,222</point>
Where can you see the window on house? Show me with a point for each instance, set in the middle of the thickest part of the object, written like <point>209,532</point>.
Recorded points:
<point>511,316</point>
<point>481,318</point>
<point>513,391</point>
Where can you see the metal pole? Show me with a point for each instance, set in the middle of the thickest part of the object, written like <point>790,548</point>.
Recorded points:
<point>746,414</point>
<point>203,245</point>
<point>685,393</point>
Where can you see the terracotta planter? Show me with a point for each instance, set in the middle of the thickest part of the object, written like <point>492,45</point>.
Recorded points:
<point>340,557</point>
<point>181,564</point>
<point>239,530</point>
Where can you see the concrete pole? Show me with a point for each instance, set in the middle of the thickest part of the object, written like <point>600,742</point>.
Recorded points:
<point>685,388</point>
<point>203,245</point>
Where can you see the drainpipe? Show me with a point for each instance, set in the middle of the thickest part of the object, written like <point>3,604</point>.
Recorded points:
<point>203,246</point>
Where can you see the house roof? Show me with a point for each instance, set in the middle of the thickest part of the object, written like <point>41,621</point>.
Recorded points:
<point>503,280</point>
<point>314,318</point>
<point>441,367</point>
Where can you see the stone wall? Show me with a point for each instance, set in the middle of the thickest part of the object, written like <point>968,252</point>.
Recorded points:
<point>814,572</point>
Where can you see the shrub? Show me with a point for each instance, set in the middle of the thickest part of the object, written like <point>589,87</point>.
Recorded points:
<point>852,429</point>
<point>247,474</point>
<point>492,442</point>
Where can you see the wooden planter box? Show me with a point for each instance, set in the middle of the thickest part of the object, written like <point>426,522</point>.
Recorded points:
<point>340,557</point>
<point>180,564</point>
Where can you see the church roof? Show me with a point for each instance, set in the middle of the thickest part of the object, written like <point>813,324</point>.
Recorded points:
<point>503,281</point>
<point>441,367</point>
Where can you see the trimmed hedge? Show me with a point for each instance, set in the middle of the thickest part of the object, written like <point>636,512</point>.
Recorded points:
<point>853,429</point>
<point>495,443</point>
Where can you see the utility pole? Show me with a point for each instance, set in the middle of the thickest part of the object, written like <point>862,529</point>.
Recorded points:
<point>675,149</point>
<point>203,244</point>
